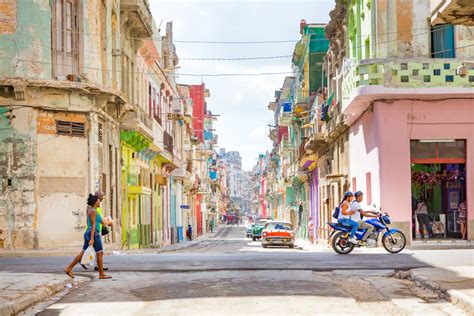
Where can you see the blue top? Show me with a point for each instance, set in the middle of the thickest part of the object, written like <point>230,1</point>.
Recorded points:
<point>98,222</point>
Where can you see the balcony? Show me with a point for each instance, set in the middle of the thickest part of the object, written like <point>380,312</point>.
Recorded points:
<point>452,12</point>
<point>181,173</point>
<point>139,121</point>
<point>286,144</point>
<point>427,78</point>
<point>168,142</point>
<point>301,101</point>
<point>317,143</point>
<point>137,14</point>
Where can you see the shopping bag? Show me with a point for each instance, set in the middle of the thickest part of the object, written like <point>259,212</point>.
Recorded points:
<point>438,228</point>
<point>88,258</point>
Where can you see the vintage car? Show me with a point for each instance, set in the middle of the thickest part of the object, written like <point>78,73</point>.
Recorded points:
<point>248,230</point>
<point>277,233</point>
<point>257,228</point>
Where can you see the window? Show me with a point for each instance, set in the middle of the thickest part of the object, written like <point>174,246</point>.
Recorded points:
<point>65,38</point>
<point>368,184</point>
<point>354,184</point>
<point>150,104</point>
<point>100,135</point>
<point>442,41</point>
<point>67,128</point>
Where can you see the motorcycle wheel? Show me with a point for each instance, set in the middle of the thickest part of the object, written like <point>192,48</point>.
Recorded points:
<point>394,243</point>
<point>341,245</point>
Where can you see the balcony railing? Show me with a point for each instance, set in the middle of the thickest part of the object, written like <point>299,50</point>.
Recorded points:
<point>390,74</point>
<point>168,142</point>
<point>133,175</point>
<point>138,120</point>
<point>406,73</point>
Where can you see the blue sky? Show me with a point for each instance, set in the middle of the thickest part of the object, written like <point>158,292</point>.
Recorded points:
<point>241,102</point>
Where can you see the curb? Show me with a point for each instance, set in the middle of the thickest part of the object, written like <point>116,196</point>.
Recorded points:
<point>456,297</point>
<point>38,295</point>
<point>109,252</point>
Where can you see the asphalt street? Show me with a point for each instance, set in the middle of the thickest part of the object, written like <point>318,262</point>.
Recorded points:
<point>231,274</point>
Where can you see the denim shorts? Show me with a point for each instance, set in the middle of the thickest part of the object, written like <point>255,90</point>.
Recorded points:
<point>97,241</point>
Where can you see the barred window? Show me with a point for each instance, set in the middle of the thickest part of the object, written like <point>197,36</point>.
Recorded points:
<point>67,128</point>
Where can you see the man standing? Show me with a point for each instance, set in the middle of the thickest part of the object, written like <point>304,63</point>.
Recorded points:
<point>357,216</point>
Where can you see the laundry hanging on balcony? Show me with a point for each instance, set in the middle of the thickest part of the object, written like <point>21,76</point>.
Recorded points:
<point>325,109</point>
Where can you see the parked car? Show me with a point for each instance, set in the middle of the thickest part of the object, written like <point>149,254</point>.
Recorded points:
<point>278,233</point>
<point>248,231</point>
<point>257,228</point>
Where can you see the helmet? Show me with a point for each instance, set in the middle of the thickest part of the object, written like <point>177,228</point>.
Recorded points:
<point>358,193</point>
<point>348,194</point>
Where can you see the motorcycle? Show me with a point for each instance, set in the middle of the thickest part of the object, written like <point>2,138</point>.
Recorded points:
<point>393,240</point>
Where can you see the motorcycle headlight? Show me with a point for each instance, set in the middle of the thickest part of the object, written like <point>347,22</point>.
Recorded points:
<point>386,219</point>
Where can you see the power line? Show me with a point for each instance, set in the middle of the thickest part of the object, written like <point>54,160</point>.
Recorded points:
<point>187,74</point>
<point>77,32</point>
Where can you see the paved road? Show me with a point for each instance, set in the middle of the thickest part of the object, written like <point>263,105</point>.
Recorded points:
<point>230,274</point>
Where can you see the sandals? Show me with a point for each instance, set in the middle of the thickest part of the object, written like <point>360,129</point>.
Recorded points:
<point>69,273</point>
<point>105,277</point>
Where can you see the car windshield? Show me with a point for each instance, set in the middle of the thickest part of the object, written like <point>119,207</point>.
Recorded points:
<point>283,226</point>
<point>260,223</point>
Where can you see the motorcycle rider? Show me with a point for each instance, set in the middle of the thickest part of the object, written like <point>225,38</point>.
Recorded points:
<point>359,212</point>
<point>345,214</point>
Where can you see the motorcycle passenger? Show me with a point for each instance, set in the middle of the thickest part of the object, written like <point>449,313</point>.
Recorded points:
<point>345,216</point>
<point>359,212</point>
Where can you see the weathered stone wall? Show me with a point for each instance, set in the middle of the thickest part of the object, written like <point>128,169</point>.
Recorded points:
<point>17,173</point>
<point>25,38</point>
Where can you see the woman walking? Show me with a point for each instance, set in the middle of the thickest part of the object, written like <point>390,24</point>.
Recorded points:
<point>92,238</point>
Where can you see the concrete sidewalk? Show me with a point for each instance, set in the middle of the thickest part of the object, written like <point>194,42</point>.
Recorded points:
<point>456,284</point>
<point>73,251</point>
<point>21,290</point>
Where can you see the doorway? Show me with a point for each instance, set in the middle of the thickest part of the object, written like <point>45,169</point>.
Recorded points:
<point>438,170</point>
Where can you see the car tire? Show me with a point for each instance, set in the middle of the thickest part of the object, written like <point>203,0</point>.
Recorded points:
<point>264,246</point>
<point>291,246</point>
<point>254,238</point>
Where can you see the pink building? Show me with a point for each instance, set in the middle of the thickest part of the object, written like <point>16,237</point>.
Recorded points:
<point>401,120</point>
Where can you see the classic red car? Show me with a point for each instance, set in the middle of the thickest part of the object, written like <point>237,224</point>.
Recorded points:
<point>278,233</point>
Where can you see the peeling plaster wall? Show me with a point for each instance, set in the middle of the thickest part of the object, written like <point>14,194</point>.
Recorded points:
<point>403,30</point>
<point>61,182</point>
<point>17,174</point>
<point>25,38</point>
<point>464,36</point>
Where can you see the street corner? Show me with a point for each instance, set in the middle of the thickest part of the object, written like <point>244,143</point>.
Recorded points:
<point>19,291</point>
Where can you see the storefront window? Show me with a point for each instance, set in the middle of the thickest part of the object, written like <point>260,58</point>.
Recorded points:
<point>454,149</point>
<point>421,150</point>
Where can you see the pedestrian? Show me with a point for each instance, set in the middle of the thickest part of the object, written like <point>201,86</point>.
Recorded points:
<point>211,224</point>
<point>91,238</point>
<point>103,229</point>
<point>462,216</point>
<point>300,213</point>
<point>423,218</point>
<point>189,232</point>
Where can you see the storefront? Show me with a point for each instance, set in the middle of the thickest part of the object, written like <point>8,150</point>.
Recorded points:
<point>438,170</point>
